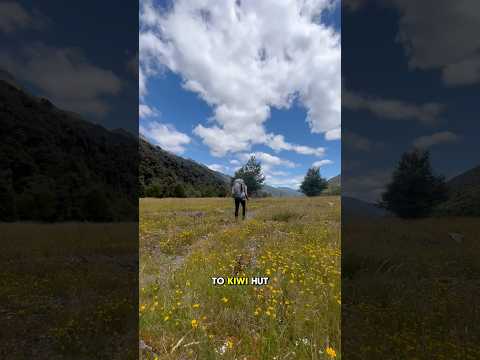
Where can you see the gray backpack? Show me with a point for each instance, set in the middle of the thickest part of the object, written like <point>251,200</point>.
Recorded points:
<point>238,190</point>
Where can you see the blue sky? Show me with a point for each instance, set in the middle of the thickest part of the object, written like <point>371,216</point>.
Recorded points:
<point>219,82</point>
<point>410,79</point>
<point>75,57</point>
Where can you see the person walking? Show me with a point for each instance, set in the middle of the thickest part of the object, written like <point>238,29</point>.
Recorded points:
<point>240,194</point>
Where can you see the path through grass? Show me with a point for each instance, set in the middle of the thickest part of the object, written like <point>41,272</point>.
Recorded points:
<point>294,242</point>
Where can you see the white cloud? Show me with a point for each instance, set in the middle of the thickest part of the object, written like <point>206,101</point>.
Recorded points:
<point>278,143</point>
<point>464,72</point>
<point>288,181</point>
<point>426,113</point>
<point>366,186</point>
<point>166,136</point>
<point>321,163</point>
<point>132,65</point>
<point>65,76</point>
<point>267,160</point>
<point>443,137</point>
<point>443,37</point>
<point>235,162</point>
<point>145,111</point>
<point>356,141</point>
<point>334,134</point>
<point>243,58</point>
<point>218,167</point>
<point>14,17</point>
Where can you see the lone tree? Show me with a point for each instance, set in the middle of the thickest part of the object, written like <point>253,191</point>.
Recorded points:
<point>414,191</point>
<point>252,174</point>
<point>313,184</point>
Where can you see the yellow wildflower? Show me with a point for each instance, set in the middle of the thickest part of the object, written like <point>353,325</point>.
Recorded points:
<point>330,352</point>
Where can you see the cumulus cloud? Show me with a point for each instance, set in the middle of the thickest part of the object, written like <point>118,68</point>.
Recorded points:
<point>428,141</point>
<point>243,58</point>
<point>65,76</point>
<point>284,181</point>
<point>267,160</point>
<point>145,111</point>
<point>321,163</point>
<point>367,186</point>
<point>14,17</point>
<point>444,39</point>
<point>165,136</point>
<point>218,167</point>
<point>278,143</point>
<point>356,141</point>
<point>426,113</point>
<point>132,65</point>
<point>334,134</point>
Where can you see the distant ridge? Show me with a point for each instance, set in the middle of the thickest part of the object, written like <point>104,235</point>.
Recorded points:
<point>334,186</point>
<point>356,208</point>
<point>464,195</point>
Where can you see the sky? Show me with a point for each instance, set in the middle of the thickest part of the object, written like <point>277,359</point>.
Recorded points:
<point>410,79</point>
<point>82,59</point>
<point>220,81</point>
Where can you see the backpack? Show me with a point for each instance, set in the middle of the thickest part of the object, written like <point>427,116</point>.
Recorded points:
<point>238,190</point>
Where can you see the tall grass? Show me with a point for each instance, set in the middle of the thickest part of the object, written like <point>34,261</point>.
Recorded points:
<point>409,290</point>
<point>295,316</point>
<point>68,291</point>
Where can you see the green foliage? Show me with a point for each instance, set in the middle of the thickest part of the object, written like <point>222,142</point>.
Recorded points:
<point>162,174</point>
<point>179,191</point>
<point>414,191</point>
<point>252,174</point>
<point>313,184</point>
<point>51,160</point>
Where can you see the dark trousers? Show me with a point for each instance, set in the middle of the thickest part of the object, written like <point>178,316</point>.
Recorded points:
<point>237,205</point>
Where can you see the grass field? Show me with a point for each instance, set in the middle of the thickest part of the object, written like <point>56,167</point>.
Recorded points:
<point>295,242</point>
<point>410,291</point>
<point>67,291</point>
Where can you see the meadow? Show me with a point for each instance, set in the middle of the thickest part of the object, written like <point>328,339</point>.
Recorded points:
<point>409,290</point>
<point>295,242</point>
<point>68,291</point>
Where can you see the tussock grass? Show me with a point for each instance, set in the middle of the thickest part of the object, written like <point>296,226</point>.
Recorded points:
<point>296,316</point>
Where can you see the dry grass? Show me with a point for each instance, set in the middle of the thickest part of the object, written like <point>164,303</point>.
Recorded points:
<point>294,242</point>
<point>409,290</point>
<point>67,291</point>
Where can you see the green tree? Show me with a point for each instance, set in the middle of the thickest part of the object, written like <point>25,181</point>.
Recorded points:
<point>313,184</point>
<point>414,191</point>
<point>179,191</point>
<point>252,174</point>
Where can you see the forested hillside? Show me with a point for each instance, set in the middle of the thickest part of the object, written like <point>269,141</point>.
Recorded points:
<point>54,166</point>
<point>163,174</point>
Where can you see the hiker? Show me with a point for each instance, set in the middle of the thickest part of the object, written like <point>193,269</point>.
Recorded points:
<point>240,194</point>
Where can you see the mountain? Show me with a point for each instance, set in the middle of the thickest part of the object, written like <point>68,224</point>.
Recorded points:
<point>464,195</point>
<point>163,174</point>
<point>334,186</point>
<point>267,189</point>
<point>54,166</point>
<point>335,181</point>
<point>352,207</point>
<point>281,191</point>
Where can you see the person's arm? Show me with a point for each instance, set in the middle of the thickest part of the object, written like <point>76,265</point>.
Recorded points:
<point>246,192</point>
